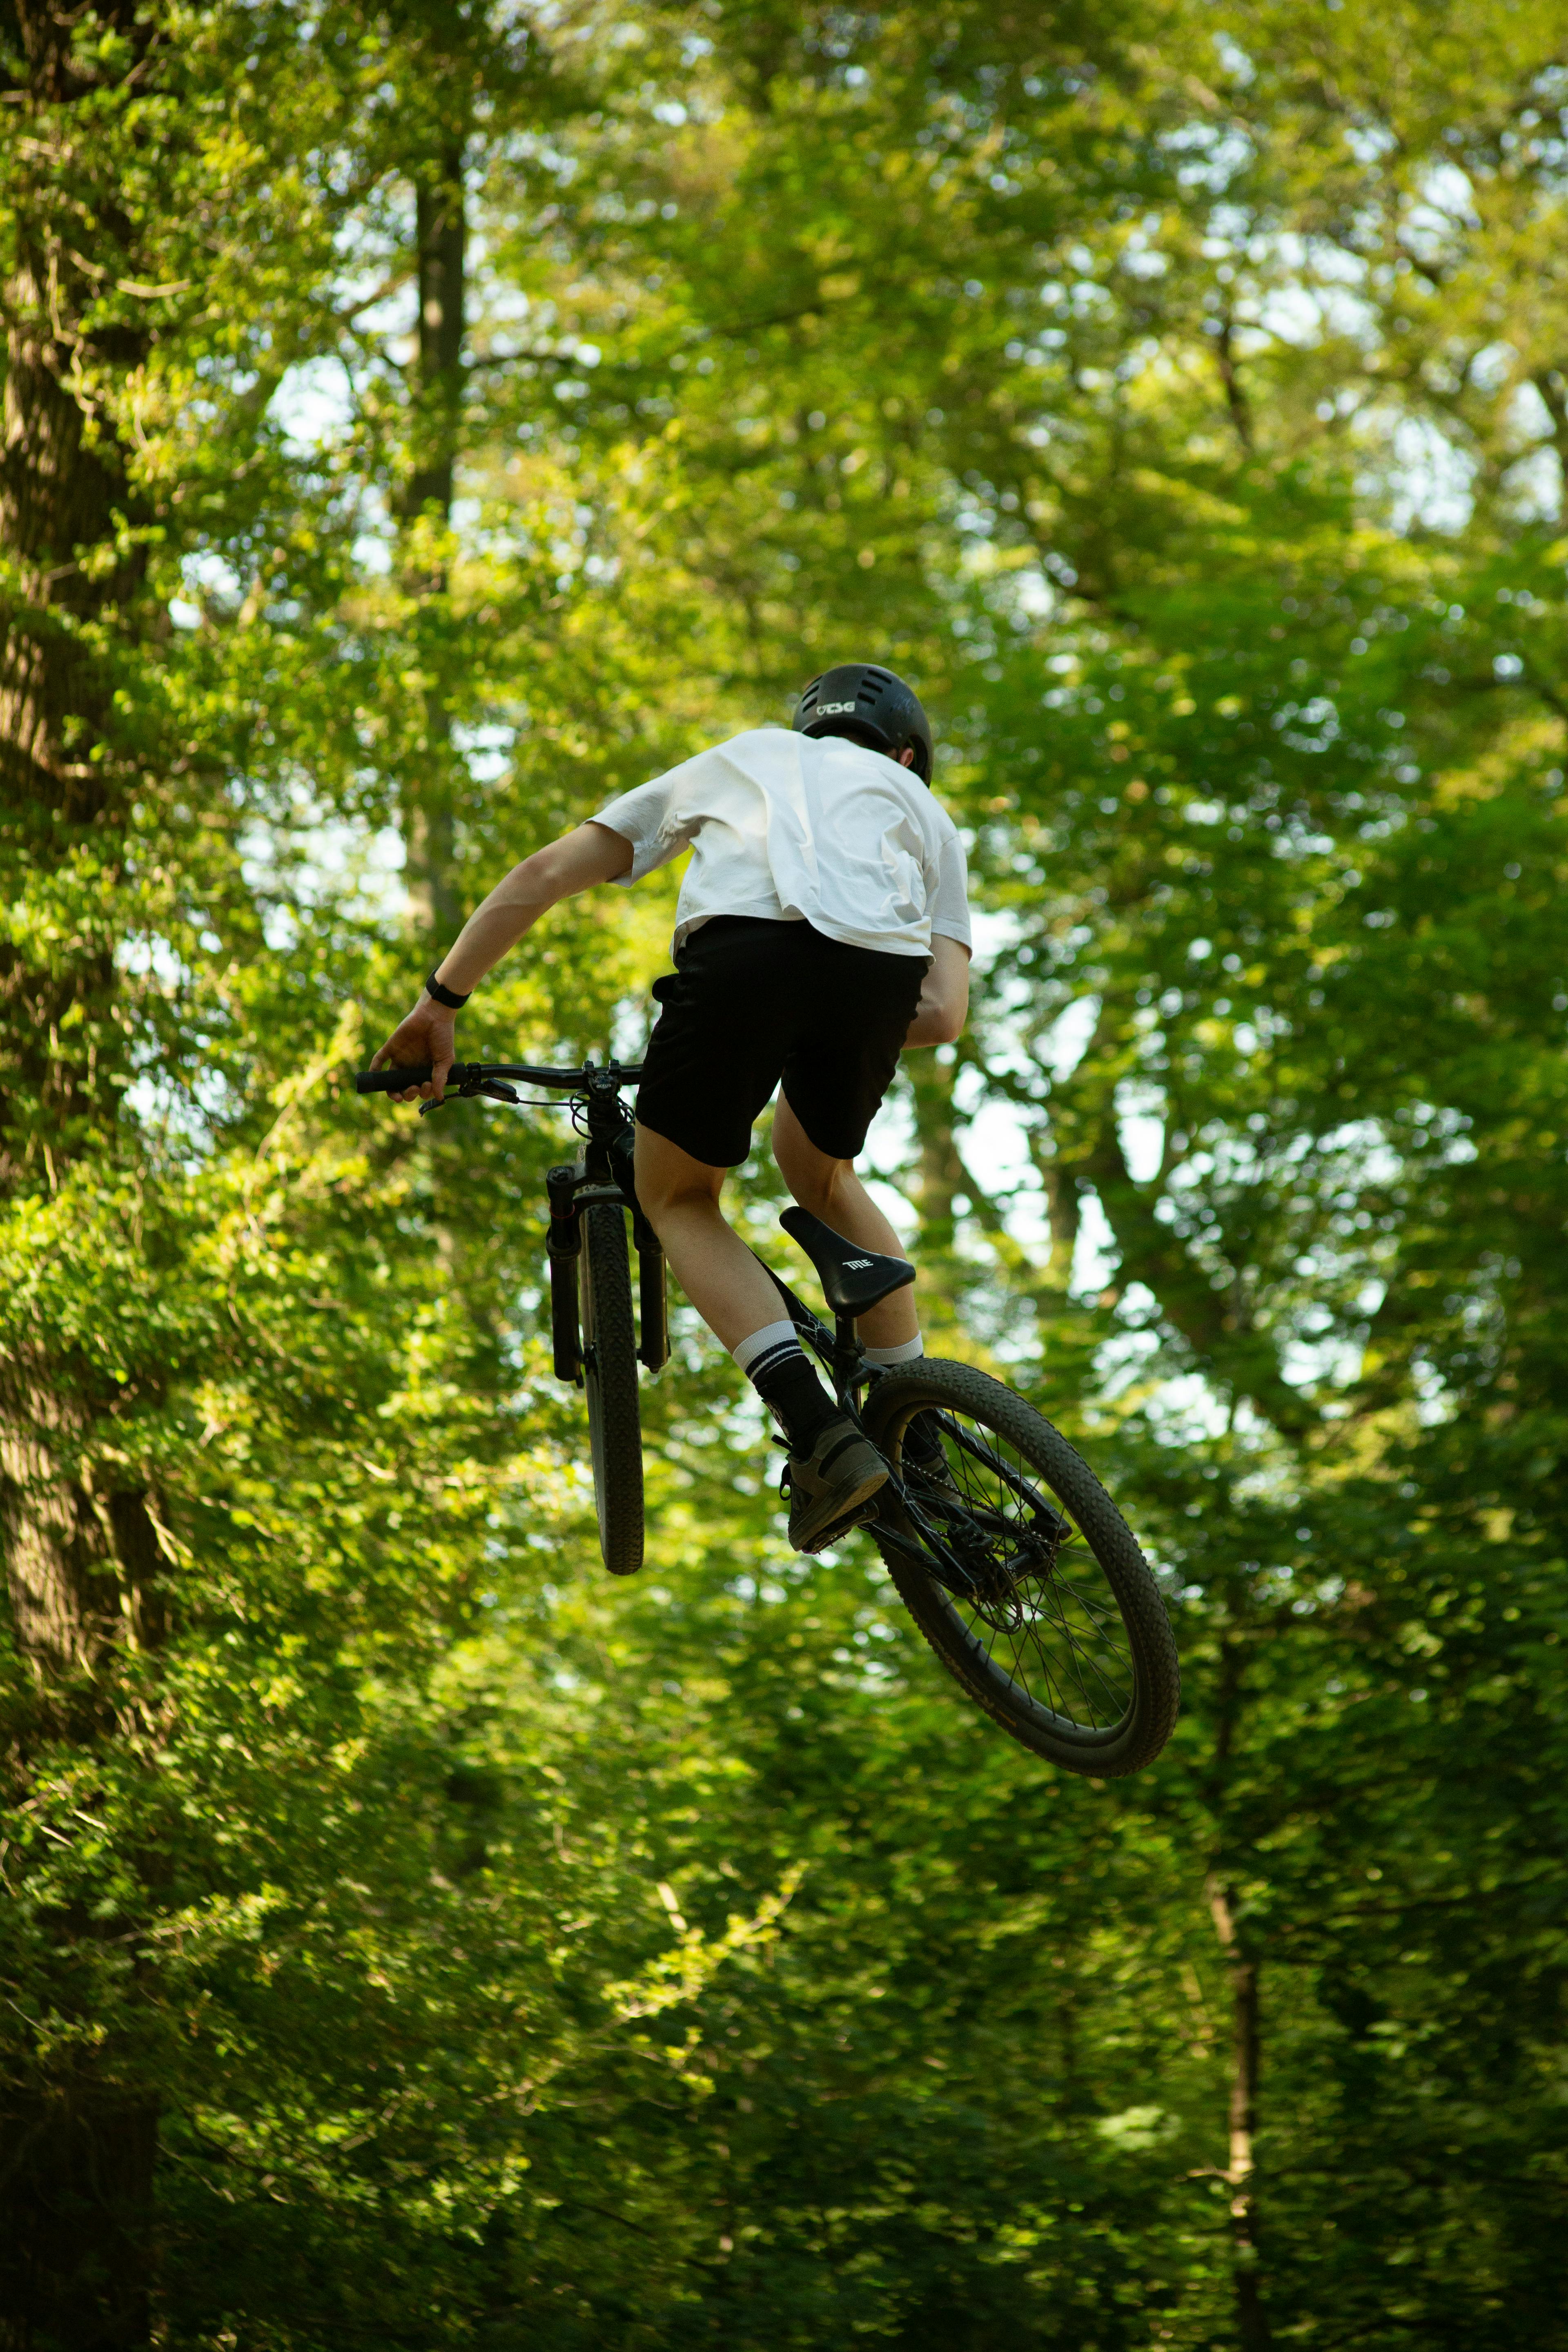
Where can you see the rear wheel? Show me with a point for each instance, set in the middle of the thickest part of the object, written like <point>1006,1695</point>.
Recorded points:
<point>1021,1573</point>
<point>610,1378</point>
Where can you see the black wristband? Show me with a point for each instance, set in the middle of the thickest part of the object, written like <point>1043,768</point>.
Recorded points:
<point>445,995</point>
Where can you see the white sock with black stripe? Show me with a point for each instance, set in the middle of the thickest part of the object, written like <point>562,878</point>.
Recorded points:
<point>776,1365</point>
<point>908,1351</point>
<point>774,1339</point>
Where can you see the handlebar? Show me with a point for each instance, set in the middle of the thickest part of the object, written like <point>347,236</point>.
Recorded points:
<point>461,1074</point>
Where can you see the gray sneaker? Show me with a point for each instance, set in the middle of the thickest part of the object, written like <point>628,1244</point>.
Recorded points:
<point>828,1487</point>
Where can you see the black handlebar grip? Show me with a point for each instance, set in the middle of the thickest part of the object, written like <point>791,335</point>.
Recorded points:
<point>387,1082</point>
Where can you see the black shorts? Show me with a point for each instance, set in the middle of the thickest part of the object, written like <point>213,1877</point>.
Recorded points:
<point>751,1002</point>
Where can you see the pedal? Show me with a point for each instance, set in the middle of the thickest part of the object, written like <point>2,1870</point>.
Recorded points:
<point>861,1517</point>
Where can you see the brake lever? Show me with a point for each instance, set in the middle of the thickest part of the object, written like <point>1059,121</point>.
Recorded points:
<point>497,1088</point>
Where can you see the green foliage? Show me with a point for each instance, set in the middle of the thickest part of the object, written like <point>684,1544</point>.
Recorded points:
<point>1179,394</point>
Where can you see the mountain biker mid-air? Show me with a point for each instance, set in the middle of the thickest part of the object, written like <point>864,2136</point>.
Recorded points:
<point>822,927</point>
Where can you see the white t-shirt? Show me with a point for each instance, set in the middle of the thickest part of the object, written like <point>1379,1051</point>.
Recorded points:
<point>798,829</point>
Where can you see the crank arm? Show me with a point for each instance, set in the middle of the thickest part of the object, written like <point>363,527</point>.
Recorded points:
<point>951,1571</point>
<point>952,1579</point>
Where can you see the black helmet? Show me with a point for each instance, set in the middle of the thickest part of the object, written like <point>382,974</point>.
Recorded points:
<point>870,706</point>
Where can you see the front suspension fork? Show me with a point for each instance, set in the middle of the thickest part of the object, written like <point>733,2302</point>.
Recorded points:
<point>565,1186</point>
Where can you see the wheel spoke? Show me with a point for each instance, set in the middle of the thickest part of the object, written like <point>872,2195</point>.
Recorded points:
<point>1052,1681</point>
<point>1059,1632</point>
<point>1088,1660</point>
<point>1067,1651</point>
<point>1079,1651</point>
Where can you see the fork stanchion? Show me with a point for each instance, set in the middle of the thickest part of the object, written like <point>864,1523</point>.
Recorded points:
<point>563,1248</point>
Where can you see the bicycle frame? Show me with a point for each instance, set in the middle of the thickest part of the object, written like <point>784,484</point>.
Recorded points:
<point>844,1358</point>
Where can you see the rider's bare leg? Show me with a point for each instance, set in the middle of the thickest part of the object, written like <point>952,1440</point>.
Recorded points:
<point>834,1469</point>
<point>831,1191</point>
<point>680,1198</point>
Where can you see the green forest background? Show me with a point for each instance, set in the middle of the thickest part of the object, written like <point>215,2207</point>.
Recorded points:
<point>421,421</point>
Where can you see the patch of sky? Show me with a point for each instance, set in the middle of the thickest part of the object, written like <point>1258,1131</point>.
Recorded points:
<point>1234,59</point>
<point>1212,155</point>
<point>1180,1408</point>
<point>386,311</point>
<point>1331,1357</point>
<point>1535,479</point>
<point>1434,1403</point>
<point>1030,594</point>
<point>630,1028</point>
<point>180,1114</point>
<point>178,1111</point>
<point>1369,142</point>
<point>486,749</point>
<point>1064,1044</point>
<point>1184,1410</point>
<point>1140,1113</point>
<point>313,405</point>
<point>146,955</point>
<point>313,860</point>
<point>1362,1145</point>
<point>1095,1254</point>
<point>210,580</point>
<point>1447,199</point>
<point>1329,307</point>
<point>1430,486</point>
<point>1142,255</point>
<point>373,541</point>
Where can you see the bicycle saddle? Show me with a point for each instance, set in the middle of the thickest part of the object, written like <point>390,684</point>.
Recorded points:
<point>852,1280</point>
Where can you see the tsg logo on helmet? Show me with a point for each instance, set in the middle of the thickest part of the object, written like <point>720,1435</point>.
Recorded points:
<point>870,706</point>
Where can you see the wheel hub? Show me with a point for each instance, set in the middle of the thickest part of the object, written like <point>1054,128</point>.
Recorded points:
<point>999,1582</point>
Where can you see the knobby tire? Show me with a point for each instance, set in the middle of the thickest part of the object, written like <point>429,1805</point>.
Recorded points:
<point>610,1378</point>
<point>1066,1645</point>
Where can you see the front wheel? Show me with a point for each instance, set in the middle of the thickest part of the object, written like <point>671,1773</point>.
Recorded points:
<point>610,1378</point>
<point>1021,1573</point>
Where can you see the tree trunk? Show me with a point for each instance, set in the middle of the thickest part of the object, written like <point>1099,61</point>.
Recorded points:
<point>75,2153</point>
<point>1252,2320</point>
<point>57,497</point>
<point>67,787</point>
<point>83,1564</point>
<point>441,240</point>
<point>441,235</point>
<point>1552,383</point>
<point>76,2195</point>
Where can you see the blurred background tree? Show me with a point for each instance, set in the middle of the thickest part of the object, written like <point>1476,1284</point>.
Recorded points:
<point>420,424</point>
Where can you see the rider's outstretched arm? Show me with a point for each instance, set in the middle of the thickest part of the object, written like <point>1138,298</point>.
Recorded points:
<point>590,854</point>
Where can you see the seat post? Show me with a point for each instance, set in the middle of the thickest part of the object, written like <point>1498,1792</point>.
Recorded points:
<point>848,1354</point>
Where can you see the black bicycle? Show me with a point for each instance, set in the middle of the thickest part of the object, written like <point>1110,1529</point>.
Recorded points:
<point>1005,1548</point>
